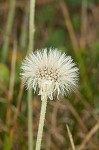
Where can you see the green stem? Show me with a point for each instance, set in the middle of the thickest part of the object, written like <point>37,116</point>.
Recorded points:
<point>30,49</point>
<point>41,123</point>
<point>8,29</point>
<point>30,119</point>
<point>31,26</point>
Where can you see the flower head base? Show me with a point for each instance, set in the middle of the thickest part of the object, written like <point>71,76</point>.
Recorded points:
<point>51,72</point>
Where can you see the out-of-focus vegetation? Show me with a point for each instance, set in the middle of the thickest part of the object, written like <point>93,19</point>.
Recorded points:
<point>73,27</point>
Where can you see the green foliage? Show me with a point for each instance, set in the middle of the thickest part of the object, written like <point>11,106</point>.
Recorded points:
<point>95,46</point>
<point>47,14</point>
<point>4,74</point>
<point>76,21</point>
<point>74,3</point>
<point>57,38</point>
<point>17,74</point>
<point>92,1</point>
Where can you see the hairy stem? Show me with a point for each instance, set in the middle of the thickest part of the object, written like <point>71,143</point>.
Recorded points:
<point>30,120</point>
<point>41,123</point>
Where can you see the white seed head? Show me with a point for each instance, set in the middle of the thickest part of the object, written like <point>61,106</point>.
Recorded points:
<point>52,73</point>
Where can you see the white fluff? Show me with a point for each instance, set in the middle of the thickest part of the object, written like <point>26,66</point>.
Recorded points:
<point>52,73</point>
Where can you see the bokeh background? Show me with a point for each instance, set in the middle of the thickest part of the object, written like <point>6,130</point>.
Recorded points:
<point>73,27</point>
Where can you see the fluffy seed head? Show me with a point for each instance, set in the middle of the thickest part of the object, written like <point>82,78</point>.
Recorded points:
<point>51,73</point>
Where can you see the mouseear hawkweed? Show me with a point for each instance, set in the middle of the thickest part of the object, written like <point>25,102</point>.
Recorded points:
<point>50,73</point>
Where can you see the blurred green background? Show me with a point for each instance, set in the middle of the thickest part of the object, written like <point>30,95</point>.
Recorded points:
<point>73,27</point>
